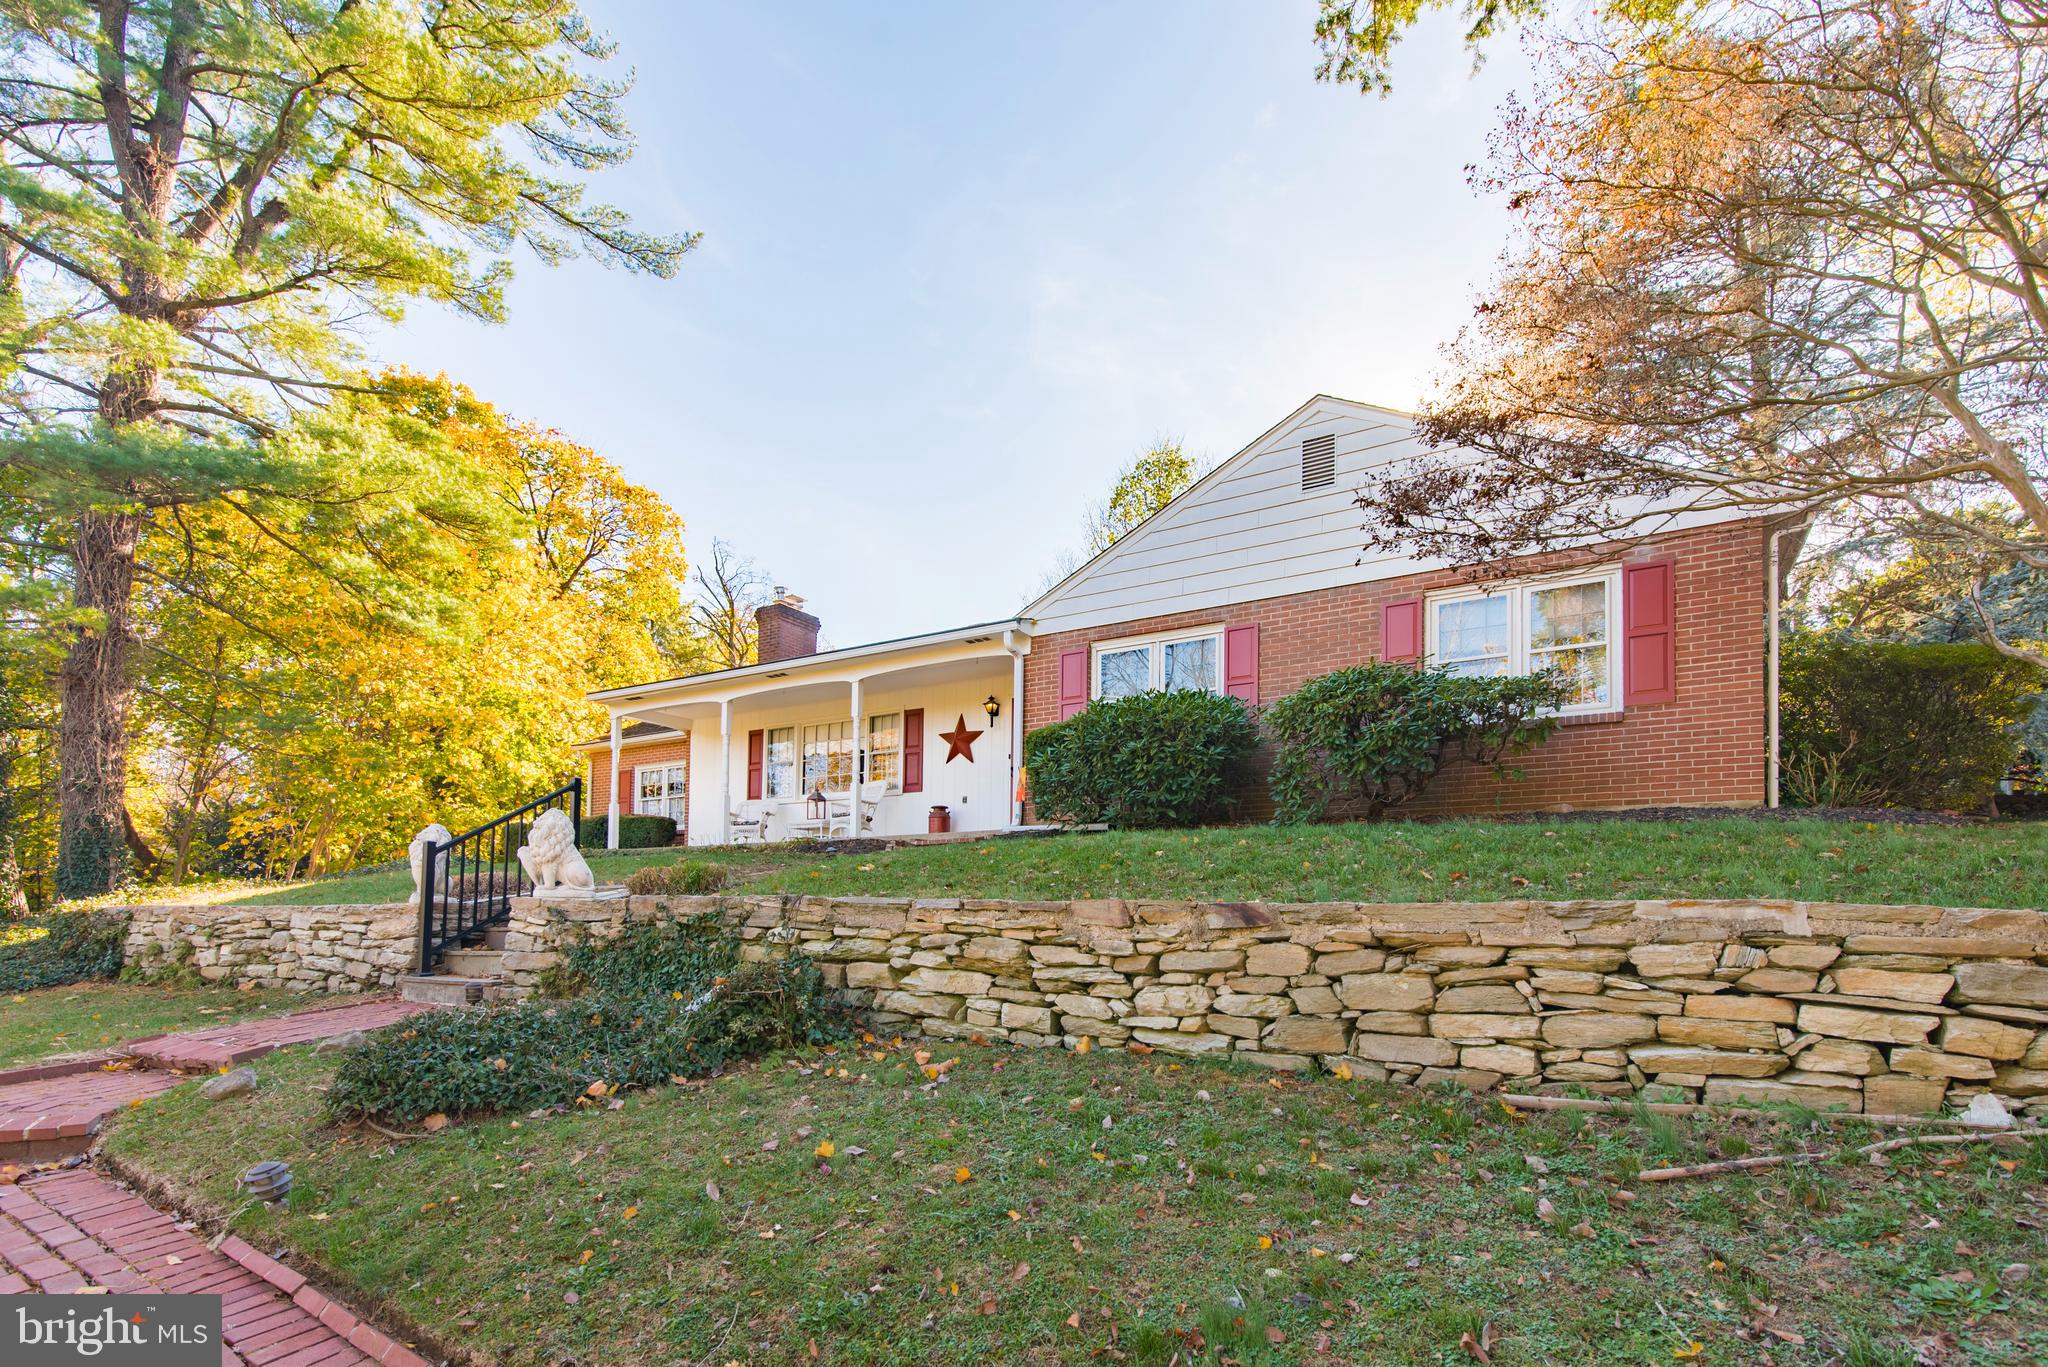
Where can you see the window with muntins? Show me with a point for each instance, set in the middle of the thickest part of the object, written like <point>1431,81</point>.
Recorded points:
<point>1166,663</point>
<point>828,757</point>
<point>662,791</point>
<point>885,748</point>
<point>779,767</point>
<point>1564,625</point>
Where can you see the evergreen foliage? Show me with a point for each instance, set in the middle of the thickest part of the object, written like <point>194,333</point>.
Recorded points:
<point>1154,759</point>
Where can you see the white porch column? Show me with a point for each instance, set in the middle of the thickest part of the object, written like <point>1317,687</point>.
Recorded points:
<point>1016,735</point>
<point>725,771</point>
<point>611,806</point>
<point>859,759</point>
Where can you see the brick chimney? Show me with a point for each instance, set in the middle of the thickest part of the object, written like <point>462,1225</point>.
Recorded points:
<point>784,629</point>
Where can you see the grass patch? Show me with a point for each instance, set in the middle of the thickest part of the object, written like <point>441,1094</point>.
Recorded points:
<point>89,1016</point>
<point>1110,1209</point>
<point>1999,865</point>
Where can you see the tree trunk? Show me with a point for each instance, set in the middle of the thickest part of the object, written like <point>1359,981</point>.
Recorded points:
<point>95,691</point>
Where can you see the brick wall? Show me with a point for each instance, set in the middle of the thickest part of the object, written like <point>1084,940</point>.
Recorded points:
<point>1705,748</point>
<point>597,793</point>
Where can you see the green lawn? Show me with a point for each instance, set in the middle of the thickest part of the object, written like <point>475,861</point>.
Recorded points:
<point>1995,865</point>
<point>91,1016</point>
<point>1043,1207</point>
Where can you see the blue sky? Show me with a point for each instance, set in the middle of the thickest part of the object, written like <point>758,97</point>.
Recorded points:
<point>962,261</point>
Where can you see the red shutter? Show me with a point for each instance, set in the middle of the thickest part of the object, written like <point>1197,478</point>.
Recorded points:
<point>1073,682</point>
<point>625,789</point>
<point>1241,663</point>
<point>1401,631</point>
<point>757,760</point>
<point>1649,633</point>
<point>913,750</point>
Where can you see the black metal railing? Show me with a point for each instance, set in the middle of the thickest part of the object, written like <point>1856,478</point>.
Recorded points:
<point>468,882</point>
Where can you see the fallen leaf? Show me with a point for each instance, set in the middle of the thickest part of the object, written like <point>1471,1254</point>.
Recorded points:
<point>1690,1351</point>
<point>436,1121</point>
<point>1474,1347</point>
<point>1020,1272</point>
<point>825,1149</point>
<point>962,1175</point>
<point>711,1192</point>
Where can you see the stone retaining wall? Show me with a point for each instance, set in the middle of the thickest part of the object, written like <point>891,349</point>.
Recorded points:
<point>306,949</point>
<point>1889,1009</point>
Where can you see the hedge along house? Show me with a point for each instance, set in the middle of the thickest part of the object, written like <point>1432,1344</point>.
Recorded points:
<point>1249,583</point>
<point>923,721</point>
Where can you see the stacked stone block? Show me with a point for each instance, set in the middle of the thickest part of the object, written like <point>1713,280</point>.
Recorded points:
<point>1885,1009</point>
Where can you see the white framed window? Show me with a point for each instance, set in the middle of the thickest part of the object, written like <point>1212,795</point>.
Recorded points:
<point>827,751</point>
<point>779,763</point>
<point>885,748</point>
<point>1167,662</point>
<point>662,790</point>
<point>1565,623</point>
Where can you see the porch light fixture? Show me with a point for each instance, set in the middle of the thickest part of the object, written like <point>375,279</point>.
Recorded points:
<point>993,708</point>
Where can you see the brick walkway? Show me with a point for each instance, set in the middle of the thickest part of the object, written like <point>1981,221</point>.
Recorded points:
<point>50,1114</point>
<point>66,1230</point>
<point>225,1045</point>
<point>53,1117</point>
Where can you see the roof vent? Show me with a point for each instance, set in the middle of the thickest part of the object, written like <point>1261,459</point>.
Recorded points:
<point>1319,461</point>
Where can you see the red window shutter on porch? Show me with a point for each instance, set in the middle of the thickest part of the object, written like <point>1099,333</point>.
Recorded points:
<point>913,750</point>
<point>1401,631</point>
<point>623,789</point>
<point>1649,633</point>
<point>1073,682</point>
<point>757,755</point>
<point>1241,663</point>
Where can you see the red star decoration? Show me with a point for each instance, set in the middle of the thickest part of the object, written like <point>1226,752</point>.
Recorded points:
<point>960,741</point>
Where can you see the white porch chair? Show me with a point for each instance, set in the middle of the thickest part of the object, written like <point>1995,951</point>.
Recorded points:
<point>748,824</point>
<point>868,801</point>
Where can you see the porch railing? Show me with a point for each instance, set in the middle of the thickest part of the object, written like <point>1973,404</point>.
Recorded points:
<point>469,881</point>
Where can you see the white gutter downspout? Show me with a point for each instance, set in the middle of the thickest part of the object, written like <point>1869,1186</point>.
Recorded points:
<point>1016,725</point>
<point>611,805</point>
<point>1776,595</point>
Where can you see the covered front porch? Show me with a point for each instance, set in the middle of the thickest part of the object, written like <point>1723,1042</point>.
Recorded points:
<point>859,742</point>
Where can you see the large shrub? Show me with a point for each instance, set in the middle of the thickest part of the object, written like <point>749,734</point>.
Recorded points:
<point>1371,737</point>
<point>636,832</point>
<point>1882,723</point>
<point>60,947</point>
<point>1154,759</point>
<point>662,1001</point>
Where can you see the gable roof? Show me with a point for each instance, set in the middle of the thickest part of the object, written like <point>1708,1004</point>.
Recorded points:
<point>1209,477</point>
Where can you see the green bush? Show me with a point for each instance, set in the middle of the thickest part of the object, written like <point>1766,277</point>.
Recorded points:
<point>1154,759</point>
<point>1372,736</point>
<point>636,832</point>
<point>1881,723</point>
<point>688,878</point>
<point>663,1001</point>
<point>61,947</point>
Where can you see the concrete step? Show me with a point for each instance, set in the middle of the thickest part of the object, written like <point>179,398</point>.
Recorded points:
<point>494,937</point>
<point>445,989</point>
<point>473,963</point>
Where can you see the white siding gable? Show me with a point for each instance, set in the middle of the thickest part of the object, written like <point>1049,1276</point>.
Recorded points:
<point>1247,530</point>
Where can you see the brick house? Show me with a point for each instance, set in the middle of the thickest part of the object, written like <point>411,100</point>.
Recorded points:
<point>1252,582</point>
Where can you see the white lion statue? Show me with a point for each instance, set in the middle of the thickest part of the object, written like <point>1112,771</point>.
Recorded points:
<point>550,856</point>
<point>436,834</point>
